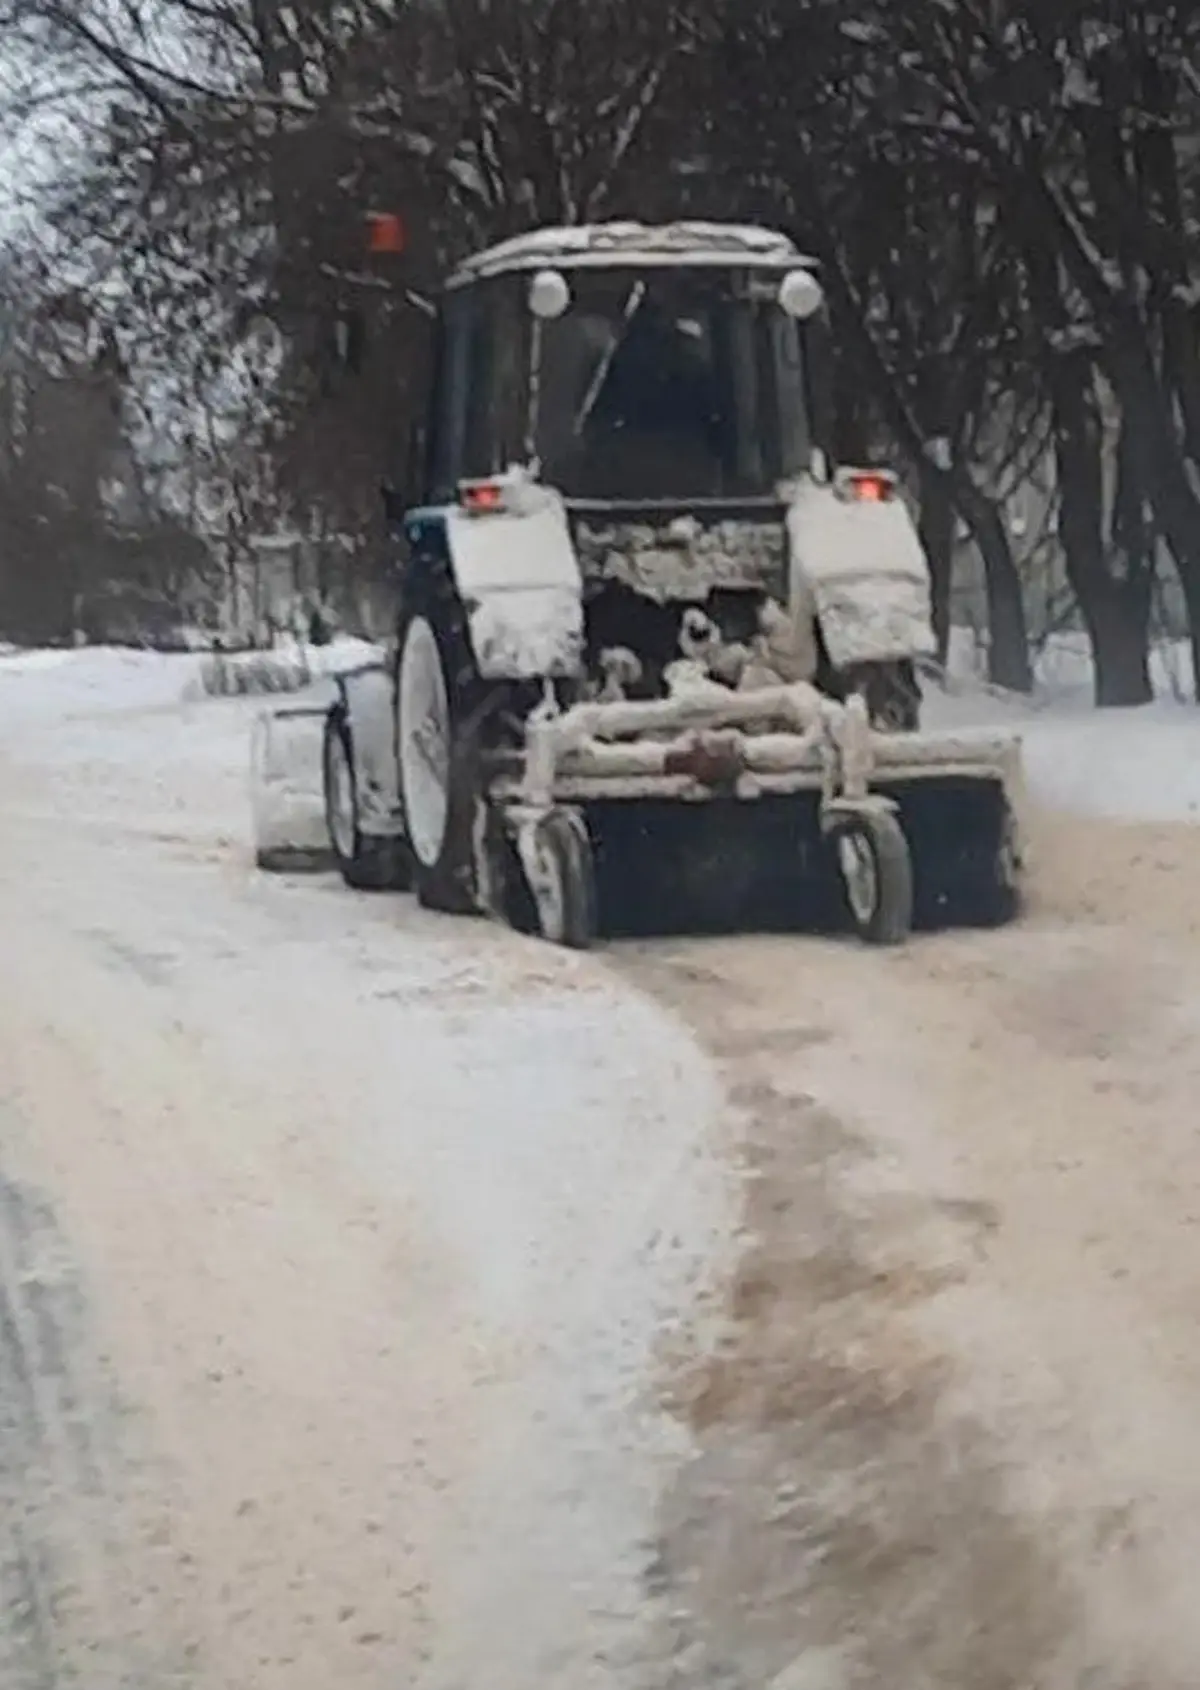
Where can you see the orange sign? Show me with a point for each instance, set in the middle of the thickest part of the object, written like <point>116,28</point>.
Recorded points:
<point>385,232</point>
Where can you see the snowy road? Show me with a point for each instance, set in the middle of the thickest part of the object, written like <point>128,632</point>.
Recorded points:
<point>952,1440</point>
<point>336,1242</point>
<point>349,1260</point>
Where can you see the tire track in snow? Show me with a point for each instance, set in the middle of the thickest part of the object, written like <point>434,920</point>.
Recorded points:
<point>27,1581</point>
<point>263,1302</point>
<point>837,1526</point>
<point>64,1588</point>
<point>360,1133</point>
<point>947,1436</point>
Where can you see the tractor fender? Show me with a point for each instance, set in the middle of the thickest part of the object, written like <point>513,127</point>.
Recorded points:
<point>863,569</point>
<point>520,583</point>
<point>366,701</point>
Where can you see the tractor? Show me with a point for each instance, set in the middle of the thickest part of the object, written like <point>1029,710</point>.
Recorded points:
<point>658,655</point>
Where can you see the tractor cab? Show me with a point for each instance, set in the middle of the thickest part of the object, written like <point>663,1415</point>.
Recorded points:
<point>668,390</point>
<point>631,367</point>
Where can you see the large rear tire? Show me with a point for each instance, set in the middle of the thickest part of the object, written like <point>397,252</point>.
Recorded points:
<point>874,864</point>
<point>436,687</point>
<point>365,863</point>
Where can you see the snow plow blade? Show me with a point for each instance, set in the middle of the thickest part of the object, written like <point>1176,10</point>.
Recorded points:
<point>290,831</point>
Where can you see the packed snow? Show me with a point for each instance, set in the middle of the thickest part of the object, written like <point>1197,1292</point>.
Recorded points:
<point>462,1183</point>
<point>555,1128</point>
<point>1141,763</point>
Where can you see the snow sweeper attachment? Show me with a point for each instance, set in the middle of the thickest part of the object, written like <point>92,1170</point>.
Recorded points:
<point>290,835</point>
<point>657,657</point>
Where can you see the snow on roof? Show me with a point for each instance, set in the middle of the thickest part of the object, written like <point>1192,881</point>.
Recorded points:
<point>634,243</point>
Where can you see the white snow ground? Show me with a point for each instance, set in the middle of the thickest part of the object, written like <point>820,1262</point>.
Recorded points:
<point>1137,764</point>
<point>1127,765</point>
<point>549,1136</point>
<point>553,1129</point>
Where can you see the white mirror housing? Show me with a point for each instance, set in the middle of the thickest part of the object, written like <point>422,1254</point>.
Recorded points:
<point>801,294</point>
<point>549,295</point>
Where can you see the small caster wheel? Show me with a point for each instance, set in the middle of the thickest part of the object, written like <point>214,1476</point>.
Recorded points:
<point>562,878</point>
<point>876,873</point>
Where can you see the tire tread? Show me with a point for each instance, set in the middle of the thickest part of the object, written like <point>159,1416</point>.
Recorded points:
<point>892,919</point>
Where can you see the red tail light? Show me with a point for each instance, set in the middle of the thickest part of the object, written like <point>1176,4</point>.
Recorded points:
<point>869,487</point>
<point>865,486</point>
<point>481,497</point>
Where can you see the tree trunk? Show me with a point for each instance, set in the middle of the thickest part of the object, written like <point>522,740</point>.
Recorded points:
<point>1008,643</point>
<point>1189,580</point>
<point>1134,546</point>
<point>1116,612</point>
<point>1118,625</point>
<point>1178,514</point>
<point>938,523</point>
<point>1159,454</point>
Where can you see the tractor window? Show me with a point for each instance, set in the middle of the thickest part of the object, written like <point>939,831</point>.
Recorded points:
<point>449,408</point>
<point>497,377</point>
<point>668,385</point>
<point>477,422</point>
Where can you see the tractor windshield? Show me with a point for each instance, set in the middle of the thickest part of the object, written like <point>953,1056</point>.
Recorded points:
<point>670,384</point>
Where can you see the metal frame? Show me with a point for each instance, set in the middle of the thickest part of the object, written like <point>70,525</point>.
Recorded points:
<point>608,245</point>
<point>774,740</point>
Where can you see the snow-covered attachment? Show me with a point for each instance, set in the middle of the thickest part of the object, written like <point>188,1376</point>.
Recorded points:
<point>657,657</point>
<point>289,836</point>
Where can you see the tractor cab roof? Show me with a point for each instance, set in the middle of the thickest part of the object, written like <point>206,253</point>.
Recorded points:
<point>633,246</point>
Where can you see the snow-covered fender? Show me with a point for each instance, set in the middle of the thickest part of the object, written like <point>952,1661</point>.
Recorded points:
<point>519,580</point>
<point>367,702</point>
<point>859,562</point>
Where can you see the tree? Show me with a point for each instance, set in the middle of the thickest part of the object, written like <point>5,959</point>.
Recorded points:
<point>1002,193</point>
<point>1074,113</point>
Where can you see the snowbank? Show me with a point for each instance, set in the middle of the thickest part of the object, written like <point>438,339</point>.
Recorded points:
<point>1130,764</point>
<point>1138,764</point>
<point>99,680</point>
<point>289,667</point>
<point>1064,671</point>
<point>103,680</point>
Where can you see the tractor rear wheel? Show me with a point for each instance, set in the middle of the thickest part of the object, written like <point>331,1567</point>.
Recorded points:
<point>436,690</point>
